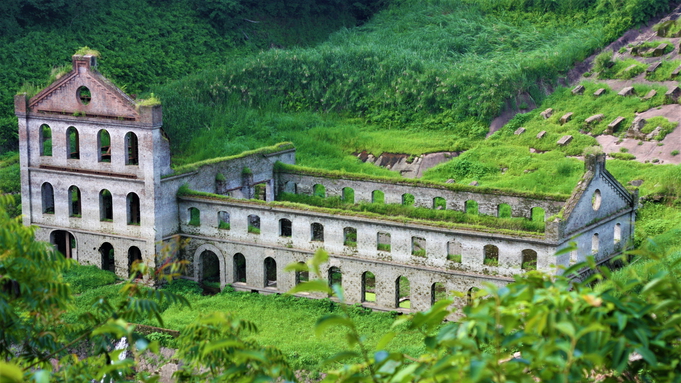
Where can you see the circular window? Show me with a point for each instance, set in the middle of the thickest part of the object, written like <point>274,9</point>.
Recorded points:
<point>596,199</point>
<point>84,95</point>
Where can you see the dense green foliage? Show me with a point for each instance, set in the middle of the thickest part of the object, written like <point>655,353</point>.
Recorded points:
<point>147,42</point>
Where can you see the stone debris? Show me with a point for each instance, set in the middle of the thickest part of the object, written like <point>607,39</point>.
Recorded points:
<point>564,140</point>
<point>659,51</point>
<point>579,89</point>
<point>566,117</point>
<point>599,92</point>
<point>450,181</point>
<point>519,131</point>
<point>673,94</point>
<point>614,125</point>
<point>547,113</point>
<point>652,68</point>
<point>595,117</point>
<point>650,94</point>
<point>474,183</point>
<point>654,133</point>
<point>628,91</point>
<point>635,130</point>
<point>541,134</point>
<point>676,71</point>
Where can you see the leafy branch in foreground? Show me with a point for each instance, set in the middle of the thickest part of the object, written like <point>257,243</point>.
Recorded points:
<point>34,298</point>
<point>537,328</point>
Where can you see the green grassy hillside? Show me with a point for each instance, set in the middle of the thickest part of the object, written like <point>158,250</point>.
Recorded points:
<point>147,42</point>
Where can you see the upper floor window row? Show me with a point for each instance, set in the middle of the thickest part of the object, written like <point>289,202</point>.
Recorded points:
<point>104,147</point>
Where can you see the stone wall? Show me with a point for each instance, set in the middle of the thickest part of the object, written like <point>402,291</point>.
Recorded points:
<point>352,269</point>
<point>488,204</point>
<point>439,242</point>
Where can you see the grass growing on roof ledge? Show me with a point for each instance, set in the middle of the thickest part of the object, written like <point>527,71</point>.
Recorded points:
<point>295,169</point>
<point>480,223</point>
<point>280,147</point>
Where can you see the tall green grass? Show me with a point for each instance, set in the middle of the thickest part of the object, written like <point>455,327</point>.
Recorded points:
<point>288,323</point>
<point>440,65</point>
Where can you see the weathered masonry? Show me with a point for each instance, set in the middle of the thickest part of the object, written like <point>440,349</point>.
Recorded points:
<point>97,181</point>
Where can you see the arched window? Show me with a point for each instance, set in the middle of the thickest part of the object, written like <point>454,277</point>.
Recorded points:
<point>105,206</point>
<point>437,292</point>
<point>529,259</point>
<point>134,255</point>
<point>504,210</point>
<point>348,195</point>
<point>618,233</point>
<point>104,144</point>
<point>368,287</point>
<point>594,244</point>
<point>596,200</point>
<point>317,232</point>
<point>45,141</point>
<point>48,198</point>
<point>285,227</point>
<point>253,224</point>
<point>538,214</point>
<point>74,202</point>
<point>194,217</point>
<point>439,203</point>
<point>302,276</point>
<point>402,293</point>
<point>319,190</point>
<point>133,209</point>
<point>418,247</point>
<point>72,143</point>
<point>223,220</point>
<point>239,268</point>
<point>106,252</point>
<point>407,199</point>
<point>210,269</point>
<point>131,149</point>
<point>377,196</point>
<point>472,207</point>
<point>270,272</point>
<point>491,255</point>
<point>383,242</point>
<point>335,276</point>
<point>350,237</point>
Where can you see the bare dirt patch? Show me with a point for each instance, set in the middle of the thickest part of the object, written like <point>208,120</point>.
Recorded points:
<point>647,151</point>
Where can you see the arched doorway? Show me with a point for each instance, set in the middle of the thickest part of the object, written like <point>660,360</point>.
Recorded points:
<point>239,268</point>
<point>368,287</point>
<point>65,243</point>
<point>402,293</point>
<point>270,272</point>
<point>106,252</point>
<point>134,255</point>
<point>210,269</point>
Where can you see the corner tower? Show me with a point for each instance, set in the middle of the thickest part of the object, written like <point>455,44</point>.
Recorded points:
<point>91,162</point>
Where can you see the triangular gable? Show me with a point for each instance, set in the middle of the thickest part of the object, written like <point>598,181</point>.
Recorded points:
<point>598,195</point>
<point>63,96</point>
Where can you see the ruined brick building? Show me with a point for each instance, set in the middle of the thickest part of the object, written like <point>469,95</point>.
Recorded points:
<point>97,182</point>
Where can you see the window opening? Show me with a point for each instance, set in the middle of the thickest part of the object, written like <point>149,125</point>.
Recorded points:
<point>491,253</point>
<point>254,224</point>
<point>45,141</point>
<point>350,237</point>
<point>105,206</point>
